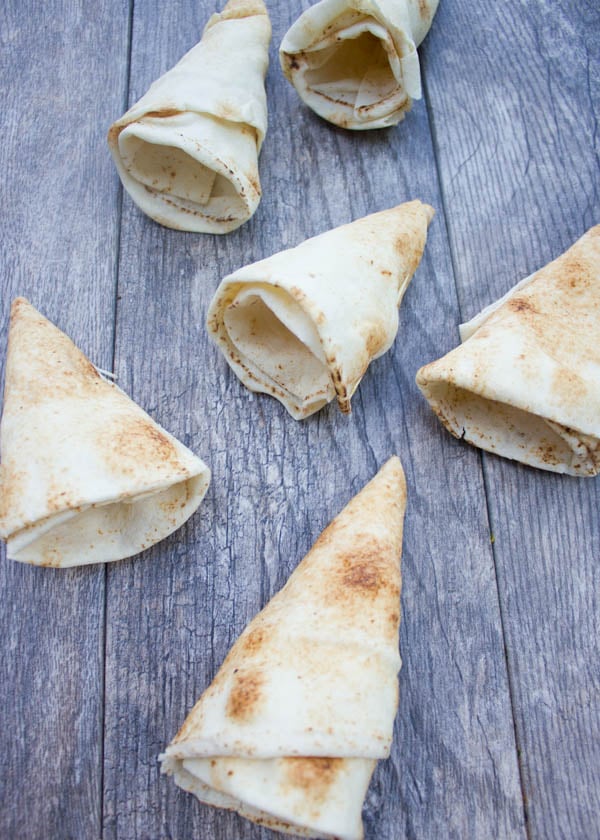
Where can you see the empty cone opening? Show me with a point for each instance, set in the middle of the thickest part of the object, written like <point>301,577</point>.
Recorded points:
<point>109,531</point>
<point>354,72</point>
<point>272,332</point>
<point>167,169</point>
<point>512,432</point>
<point>185,159</point>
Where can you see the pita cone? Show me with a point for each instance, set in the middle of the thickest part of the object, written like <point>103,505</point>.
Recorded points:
<point>290,730</point>
<point>187,152</point>
<point>304,324</point>
<point>86,475</point>
<point>526,382</point>
<point>355,62</point>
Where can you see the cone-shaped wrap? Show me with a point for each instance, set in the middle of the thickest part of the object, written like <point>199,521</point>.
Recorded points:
<point>187,152</point>
<point>86,476</point>
<point>526,382</point>
<point>355,62</point>
<point>304,324</point>
<point>289,732</point>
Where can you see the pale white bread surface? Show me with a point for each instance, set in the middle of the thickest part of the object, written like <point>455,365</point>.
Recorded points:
<point>187,152</point>
<point>289,731</point>
<point>304,324</point>
<point>355,62</point>
<point>86,476</point>
<point>526,382</point>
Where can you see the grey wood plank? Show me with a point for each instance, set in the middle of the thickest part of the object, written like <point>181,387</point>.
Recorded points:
<point>58,247</point>
<point>173,613</point>
<point>516,131</point>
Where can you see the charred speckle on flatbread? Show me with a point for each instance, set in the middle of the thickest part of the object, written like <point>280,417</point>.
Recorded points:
<point>255,184</point>
<point>361,574</point>
<point>314,776</point>
<point>245,695</point>
<point>394,620</point>
<point>364,572</point>
<point>574,274</point>
<point>547,453</point>
<point>521,304</point>
<point>57,500</point>
<point>375,340</point>
<point>424,8</point>
<point>130,446</point>
<point>253,641</point>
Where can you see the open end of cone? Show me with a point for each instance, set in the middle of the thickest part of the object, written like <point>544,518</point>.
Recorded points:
<point>106,532</point>
<point>187,160</point>
<point>272,332</point>
<point>356,72</point>
<point>166,169</point>
<point>512,432</point>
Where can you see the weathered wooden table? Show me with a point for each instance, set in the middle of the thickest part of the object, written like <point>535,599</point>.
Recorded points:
<point>498,733</point>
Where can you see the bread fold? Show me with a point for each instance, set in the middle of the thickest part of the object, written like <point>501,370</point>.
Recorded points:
<point>86,475</point>
<point>187,152</point>
<point>289,731</point>
<point>355,62</point>
<point>304,324</point>
<point>525,383</point>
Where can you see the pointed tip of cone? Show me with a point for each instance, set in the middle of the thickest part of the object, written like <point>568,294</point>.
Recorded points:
<point>383,498</point>
<point>390,472</point>
<point>19,303</point>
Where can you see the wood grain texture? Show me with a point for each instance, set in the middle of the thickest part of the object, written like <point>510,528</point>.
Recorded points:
<point>495,639</point>
<point>173,614</point>
<point>520,185</point>
<point>58,247</point>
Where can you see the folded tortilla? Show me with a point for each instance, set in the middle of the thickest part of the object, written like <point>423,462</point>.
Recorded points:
<point>526,382</point>
<point>187,152</point>
<point>304,324</point>
<point>355,62</point>
<point>86,475</point>
<point>289,732</point>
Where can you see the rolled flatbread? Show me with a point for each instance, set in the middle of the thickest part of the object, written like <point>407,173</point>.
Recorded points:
<point>187,152</point>
<point>526,382</point>
<point>304,324</point>
<point>355,62</point>
<point>86,475</point>
<point>290,730</point>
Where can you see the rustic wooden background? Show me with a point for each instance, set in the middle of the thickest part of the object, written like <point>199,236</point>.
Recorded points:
<point>498,732</point>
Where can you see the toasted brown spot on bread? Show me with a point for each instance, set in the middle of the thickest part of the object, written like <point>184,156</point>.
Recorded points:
<point>368,570</point>
<point>244,697</point>
<point>575,274</point>
<point>253,641</point>
<point>312,775</point>
<point>375,340</point>
<point>131,443</point>
<point>521,304</point>
<point>362,575</point>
